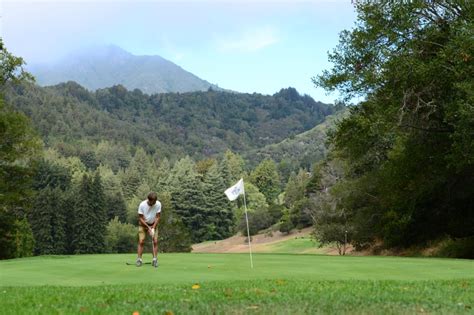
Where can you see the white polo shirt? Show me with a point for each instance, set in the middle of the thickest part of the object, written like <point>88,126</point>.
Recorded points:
<point>149,212</point>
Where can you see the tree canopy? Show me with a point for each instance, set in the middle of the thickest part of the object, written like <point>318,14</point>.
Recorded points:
<point>409,144</point>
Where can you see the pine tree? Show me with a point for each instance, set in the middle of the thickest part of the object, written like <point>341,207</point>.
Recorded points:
<point>219,212</point>
<point>97,198</point>
<point>173,234</point>
<point>188,199</point>
<point>130,181</point>
<point>40,220</point>
<point>47,220</point>
<point>90,217</point>
<point>267,180</point>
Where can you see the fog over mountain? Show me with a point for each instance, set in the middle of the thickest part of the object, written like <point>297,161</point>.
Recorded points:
<point>105,66</point>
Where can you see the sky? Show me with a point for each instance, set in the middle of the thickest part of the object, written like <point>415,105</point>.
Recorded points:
<point>246,46</point>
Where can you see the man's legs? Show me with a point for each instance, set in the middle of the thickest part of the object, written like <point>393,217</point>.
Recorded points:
<point>141,243</point>
<point>155,249</point>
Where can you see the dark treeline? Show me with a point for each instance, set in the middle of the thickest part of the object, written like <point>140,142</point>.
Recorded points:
<point>401,170</point>
<point>199,124</point>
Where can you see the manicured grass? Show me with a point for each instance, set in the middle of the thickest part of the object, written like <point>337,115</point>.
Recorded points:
<point>248,297</point>
<point>279,283</point>
<point>189,268</point>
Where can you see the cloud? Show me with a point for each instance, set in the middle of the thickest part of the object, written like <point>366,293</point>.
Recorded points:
<point>250,41</point>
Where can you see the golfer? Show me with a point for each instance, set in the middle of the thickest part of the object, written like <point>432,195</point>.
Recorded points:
<point>149,212</point>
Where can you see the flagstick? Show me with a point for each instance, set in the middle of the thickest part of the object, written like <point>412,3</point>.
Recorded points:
<point>248,231</point>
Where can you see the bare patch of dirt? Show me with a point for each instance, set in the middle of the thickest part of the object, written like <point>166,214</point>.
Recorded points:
<point>260,244</point>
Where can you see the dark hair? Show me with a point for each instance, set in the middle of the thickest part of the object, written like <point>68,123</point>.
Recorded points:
<point>152,195</point>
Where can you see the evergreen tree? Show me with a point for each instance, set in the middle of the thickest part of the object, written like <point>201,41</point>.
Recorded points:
<point>23,238</point>
<point>116,207</point>
<point>90,218</point>
<point>59,224</point>
<point>52,175</point>
<point>188,198</point>
<point>232,167</point>
<point>97,201</point>
<point>219,212</point>
<point>130,181</point>
<point>40,220</point>
<point>172,233</point>
<point>267,180</point>
<point>114,200</point>
<point>48,222</point>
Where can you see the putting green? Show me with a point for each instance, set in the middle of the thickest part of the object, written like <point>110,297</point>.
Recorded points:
<point>87,270</point>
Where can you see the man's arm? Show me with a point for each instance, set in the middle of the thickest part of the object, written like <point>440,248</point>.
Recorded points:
<point>158,215</point>
<point>141,219</point>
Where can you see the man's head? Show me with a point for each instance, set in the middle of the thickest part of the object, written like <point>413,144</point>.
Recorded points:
<point>152,198</point>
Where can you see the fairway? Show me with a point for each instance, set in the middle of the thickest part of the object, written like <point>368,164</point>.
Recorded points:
<point>86,270</point>
<point>226,284</point>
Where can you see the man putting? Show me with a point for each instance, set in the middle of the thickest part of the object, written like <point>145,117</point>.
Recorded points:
<point>149,212</point>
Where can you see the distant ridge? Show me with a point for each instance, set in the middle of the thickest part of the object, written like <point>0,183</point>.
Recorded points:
<point>105,66</point>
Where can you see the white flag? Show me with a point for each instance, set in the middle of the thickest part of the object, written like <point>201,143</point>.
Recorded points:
<point>233,192</point>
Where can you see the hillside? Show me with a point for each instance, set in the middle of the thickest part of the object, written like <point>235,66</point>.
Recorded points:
<point>199,124</point>
<point>301,149</point>
<point>106,66</point>
<point>297,242</point>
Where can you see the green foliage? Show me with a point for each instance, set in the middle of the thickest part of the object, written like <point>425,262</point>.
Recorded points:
<point>219,210</point>
<point>188,200</point>
<point>331,220</point>
<point>120,237</point>
<point>48,221</point>
<point>89,218</point>
<point>232,168</point>
<point>11,68</point>
<point>457,248</point>
<point>299,151</point>
<point>114,201</point>
<point>19,148</point>
<point>258,220</point>
<point>51,175</point>
<point>7,243</point>
<point>409,144</point>
<point>295,199</point>
<point>130,181</point>
<point>266,178</point>
<point>286,224</point>
<point>23,238</point>
<point>112,123</point>
<point>173,235</point>
<point>132,210</point>
<point>254,198</point>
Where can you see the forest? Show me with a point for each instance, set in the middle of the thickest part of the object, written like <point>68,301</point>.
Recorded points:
<point>395,171</point>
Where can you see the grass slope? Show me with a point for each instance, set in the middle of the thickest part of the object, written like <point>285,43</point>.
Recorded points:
<point>278,284</point>
<point>298,242</point>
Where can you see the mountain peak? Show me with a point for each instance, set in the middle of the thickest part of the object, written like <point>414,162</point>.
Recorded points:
<point>98,67</point>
